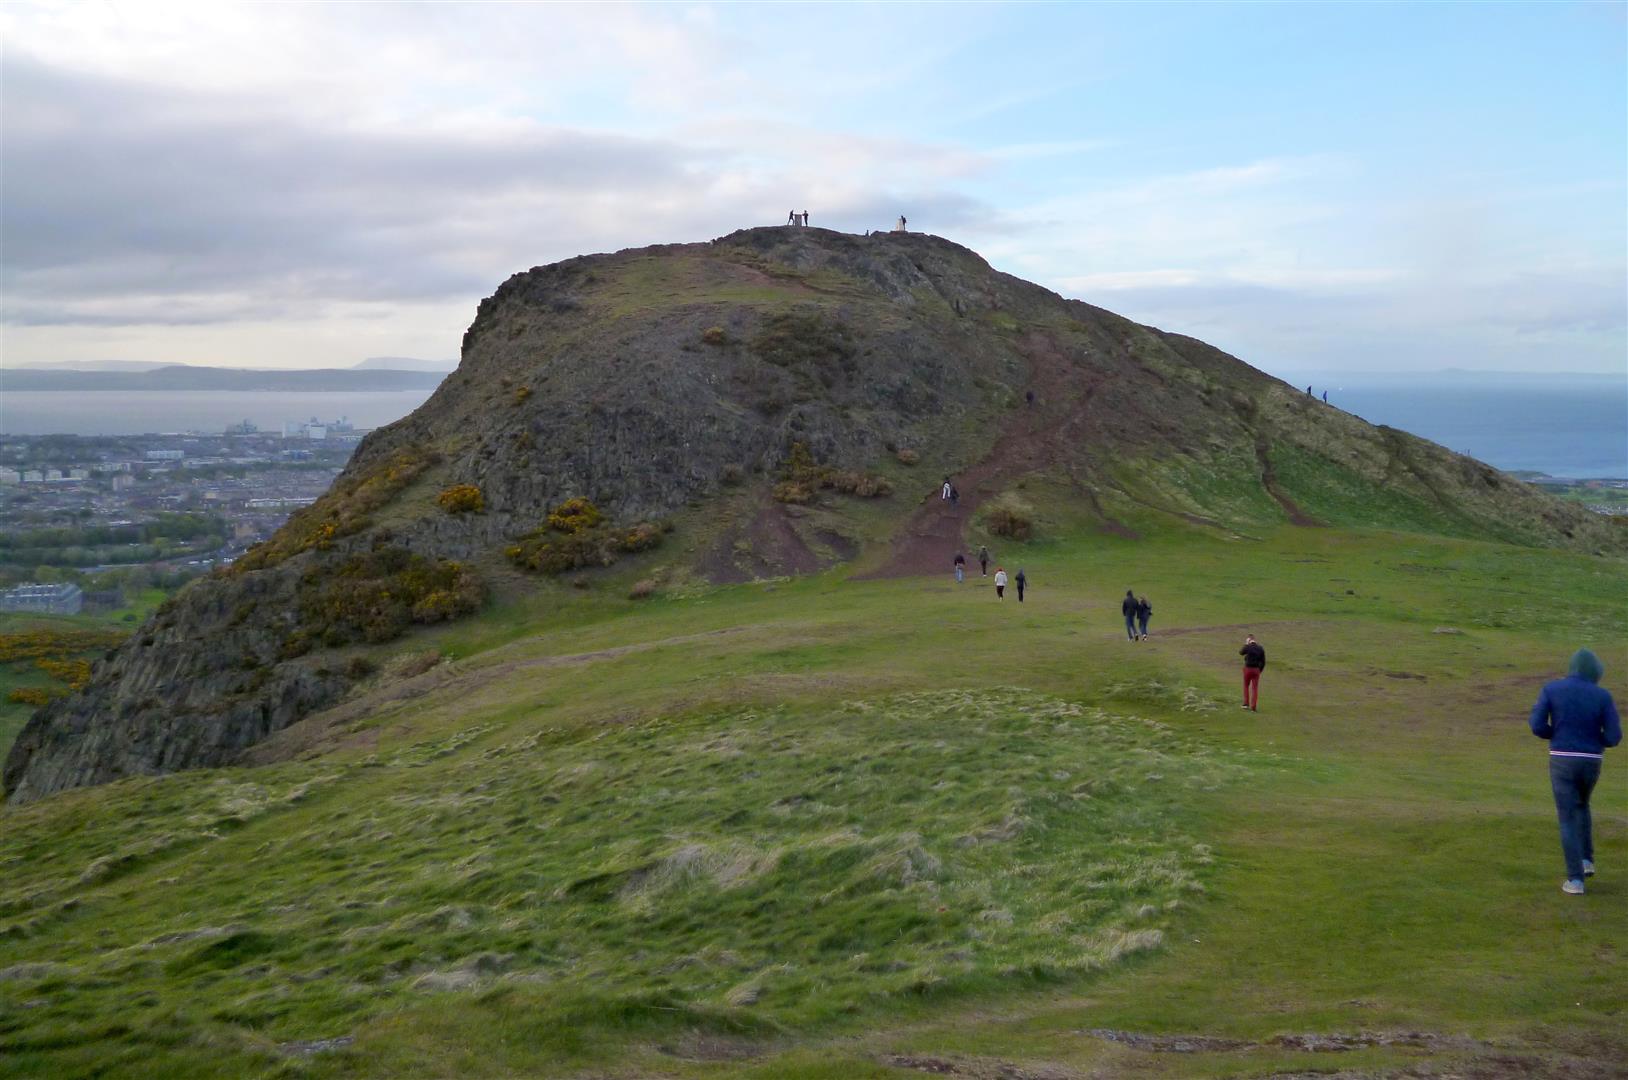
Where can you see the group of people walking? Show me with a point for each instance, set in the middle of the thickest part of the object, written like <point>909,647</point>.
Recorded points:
<point>1020,581</point>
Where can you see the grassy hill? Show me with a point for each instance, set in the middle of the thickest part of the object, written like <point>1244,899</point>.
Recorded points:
<point>772,402</point>
<point>833,827</point>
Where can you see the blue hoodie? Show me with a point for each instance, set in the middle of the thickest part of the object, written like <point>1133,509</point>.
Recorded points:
<point>1577,717</point>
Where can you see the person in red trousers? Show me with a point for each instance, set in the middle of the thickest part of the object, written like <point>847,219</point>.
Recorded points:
<point>1254,663</point>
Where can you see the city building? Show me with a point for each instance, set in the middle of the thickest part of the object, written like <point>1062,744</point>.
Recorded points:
<point>61,599</point>
<point>165,455</point>
<point>10,476</point>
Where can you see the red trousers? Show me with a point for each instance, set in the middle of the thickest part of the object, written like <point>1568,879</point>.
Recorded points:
<point>1252,686</point>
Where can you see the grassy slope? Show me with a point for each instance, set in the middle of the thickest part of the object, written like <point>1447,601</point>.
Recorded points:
<point>741,876</point>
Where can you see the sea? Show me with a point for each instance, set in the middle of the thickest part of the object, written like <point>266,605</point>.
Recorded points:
<point>143,412</point>
<point>1571,426</point>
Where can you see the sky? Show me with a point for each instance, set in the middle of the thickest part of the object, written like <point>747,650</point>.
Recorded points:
<point>1348,188</point>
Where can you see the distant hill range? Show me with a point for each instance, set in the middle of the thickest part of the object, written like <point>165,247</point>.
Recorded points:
<point>405,363</point>
<point>778,400</point>
<point>191,377</point>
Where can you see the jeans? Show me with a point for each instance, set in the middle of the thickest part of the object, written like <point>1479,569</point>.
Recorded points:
<point>1142,624</point>
<point>1573,780</point>
<point>959,574</point>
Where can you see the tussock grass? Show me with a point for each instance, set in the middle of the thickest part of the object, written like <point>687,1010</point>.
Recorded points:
<point>795,863</point>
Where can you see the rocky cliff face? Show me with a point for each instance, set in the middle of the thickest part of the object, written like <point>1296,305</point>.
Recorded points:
<point>654,380</point>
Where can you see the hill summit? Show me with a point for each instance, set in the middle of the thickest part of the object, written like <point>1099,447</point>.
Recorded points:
<point>774,401</point>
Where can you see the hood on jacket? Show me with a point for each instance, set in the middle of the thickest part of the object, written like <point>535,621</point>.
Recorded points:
<point>1585,665</point>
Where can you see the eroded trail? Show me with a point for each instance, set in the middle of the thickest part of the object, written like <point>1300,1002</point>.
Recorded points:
<point>1036,438</point>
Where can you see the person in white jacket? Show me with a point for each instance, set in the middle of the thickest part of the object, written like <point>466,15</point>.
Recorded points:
<point>1000,584</point>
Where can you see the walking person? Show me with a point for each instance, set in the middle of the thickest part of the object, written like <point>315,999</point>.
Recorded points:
<point>1022,582</point>
<point>791,217</point>
<point>1325,397</point>
<point>1143,610</point>
<point>1000,584</point>
<point>1127,608</point>
<point>1579,718</point>
<point>1254,663</point>
<point>983,561</point>
<point>960,568</point>
<point>945,491</point>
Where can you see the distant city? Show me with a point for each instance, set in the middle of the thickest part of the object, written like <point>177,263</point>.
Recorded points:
<point>81,510</point>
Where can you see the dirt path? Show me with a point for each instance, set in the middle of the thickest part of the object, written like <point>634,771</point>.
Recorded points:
<point>1035,438</point>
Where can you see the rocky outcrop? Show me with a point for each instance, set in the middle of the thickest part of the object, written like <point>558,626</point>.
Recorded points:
<point>657,379</point>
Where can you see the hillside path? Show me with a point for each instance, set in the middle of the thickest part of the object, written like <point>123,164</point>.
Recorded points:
<point>1032,440</point>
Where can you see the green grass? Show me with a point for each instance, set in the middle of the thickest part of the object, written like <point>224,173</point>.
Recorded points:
<point>816,827</point>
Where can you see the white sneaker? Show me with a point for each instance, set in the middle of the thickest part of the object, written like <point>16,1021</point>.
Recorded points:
<point>1588,867</point>
<point>1574,887</point>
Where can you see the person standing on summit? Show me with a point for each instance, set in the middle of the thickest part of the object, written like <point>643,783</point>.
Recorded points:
<point>1128,608</point>
<point>1579,718</point>
<point>1254,663</point>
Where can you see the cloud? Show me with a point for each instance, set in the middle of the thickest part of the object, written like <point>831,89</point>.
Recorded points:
<point>129,202</point>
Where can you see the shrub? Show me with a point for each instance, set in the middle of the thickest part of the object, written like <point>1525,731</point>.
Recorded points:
<point>1003,521</point>
<point>715,335</point>
<point>732,475</point>
<point>790,491</point>
<point>573,516</point>
<point>55,644</point>
<point>907,457</point>
<point>462,499</point>
<point>359,667</point>
<point>552,554</point>
<point>575,536</point>
<point>376,596</point>
<point>642,590</point>
<point>521,393</point>
<point>641,537</point>
<point>36,696</point>
<point>803,476</point>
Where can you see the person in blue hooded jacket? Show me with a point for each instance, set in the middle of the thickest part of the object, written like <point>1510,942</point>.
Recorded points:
<point>1580,720</point>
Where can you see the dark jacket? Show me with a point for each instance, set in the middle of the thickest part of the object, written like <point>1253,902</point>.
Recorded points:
<point>1127,606</point>
<point>1575,715</point>
<point>960,559</point>
<point>1143,609</point>
<point>983,554</point>
<point>1254,656</point>
<point>1020,580</point>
